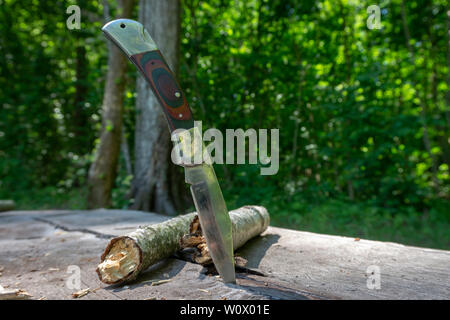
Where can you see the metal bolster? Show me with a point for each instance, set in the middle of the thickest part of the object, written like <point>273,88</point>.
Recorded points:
<point>130,36</point>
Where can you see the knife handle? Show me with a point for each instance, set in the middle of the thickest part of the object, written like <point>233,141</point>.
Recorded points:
<point>166,88</point>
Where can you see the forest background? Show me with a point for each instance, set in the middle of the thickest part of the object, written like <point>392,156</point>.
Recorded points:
<point>363,113</point>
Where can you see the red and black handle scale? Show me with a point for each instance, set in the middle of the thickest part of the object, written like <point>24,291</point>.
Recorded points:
<point>166,88</point>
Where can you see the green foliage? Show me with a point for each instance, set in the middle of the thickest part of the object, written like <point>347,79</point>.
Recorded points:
<point>50,89</point>
<point>349,94</point>
<point>363,114</point>
<point>365,221</point>
<point>50,198</point>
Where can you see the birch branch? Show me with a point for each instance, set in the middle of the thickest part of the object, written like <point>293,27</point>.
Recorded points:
<point>126,256</point>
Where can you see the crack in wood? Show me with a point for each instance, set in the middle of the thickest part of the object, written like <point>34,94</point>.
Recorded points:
<point>82,230</point>
<point>274,290</point>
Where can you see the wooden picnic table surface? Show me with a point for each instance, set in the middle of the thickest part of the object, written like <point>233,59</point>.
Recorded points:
<point>38,247</point>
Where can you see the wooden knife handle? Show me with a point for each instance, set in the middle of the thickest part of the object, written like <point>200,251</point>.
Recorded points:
<point>166,88</point>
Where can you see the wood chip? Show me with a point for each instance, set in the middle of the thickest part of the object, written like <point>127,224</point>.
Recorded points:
<point>357,239</point>
<point>80,293</point>
<point>157,283</point>
<point>151,298</point>
<point>195,226</point>
<point>203,260</point>
<point>191,240</point>
<point>240,262</point>
<point>16,294</point>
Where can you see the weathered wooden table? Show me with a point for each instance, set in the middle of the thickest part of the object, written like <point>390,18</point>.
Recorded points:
<point>37,249</point>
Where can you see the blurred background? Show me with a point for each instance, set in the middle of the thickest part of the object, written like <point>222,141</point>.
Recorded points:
<point>363,113</point>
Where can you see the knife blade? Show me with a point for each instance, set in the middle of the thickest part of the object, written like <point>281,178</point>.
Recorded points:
<point>136,43</point>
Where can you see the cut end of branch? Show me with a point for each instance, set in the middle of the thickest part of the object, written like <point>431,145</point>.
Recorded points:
<point>120,260</point>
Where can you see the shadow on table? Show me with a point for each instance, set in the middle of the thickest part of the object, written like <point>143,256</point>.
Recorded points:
<point>253,280</point>
<point>255,249</point>
<point>268,287</point>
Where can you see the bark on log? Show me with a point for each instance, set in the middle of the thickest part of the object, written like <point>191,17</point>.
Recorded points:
<point>6,205</point>
<point>126,256</point>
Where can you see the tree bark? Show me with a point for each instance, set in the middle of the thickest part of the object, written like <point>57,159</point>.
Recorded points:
<point>103,170</point>
<point>79,117</point>
<point>156,185</point>
<point>125,257</point>
<point>126,153</point>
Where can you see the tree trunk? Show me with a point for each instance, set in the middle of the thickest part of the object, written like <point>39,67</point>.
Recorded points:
<point>126,153</point>
<point>156,179</point>
<point>79,117</point>
<point>103,171</point>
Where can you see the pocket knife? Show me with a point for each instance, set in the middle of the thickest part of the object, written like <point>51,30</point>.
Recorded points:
<point>136,43</point>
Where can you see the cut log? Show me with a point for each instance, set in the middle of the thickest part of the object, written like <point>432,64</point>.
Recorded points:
<point>6,205</point>
<point>126,256</point>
